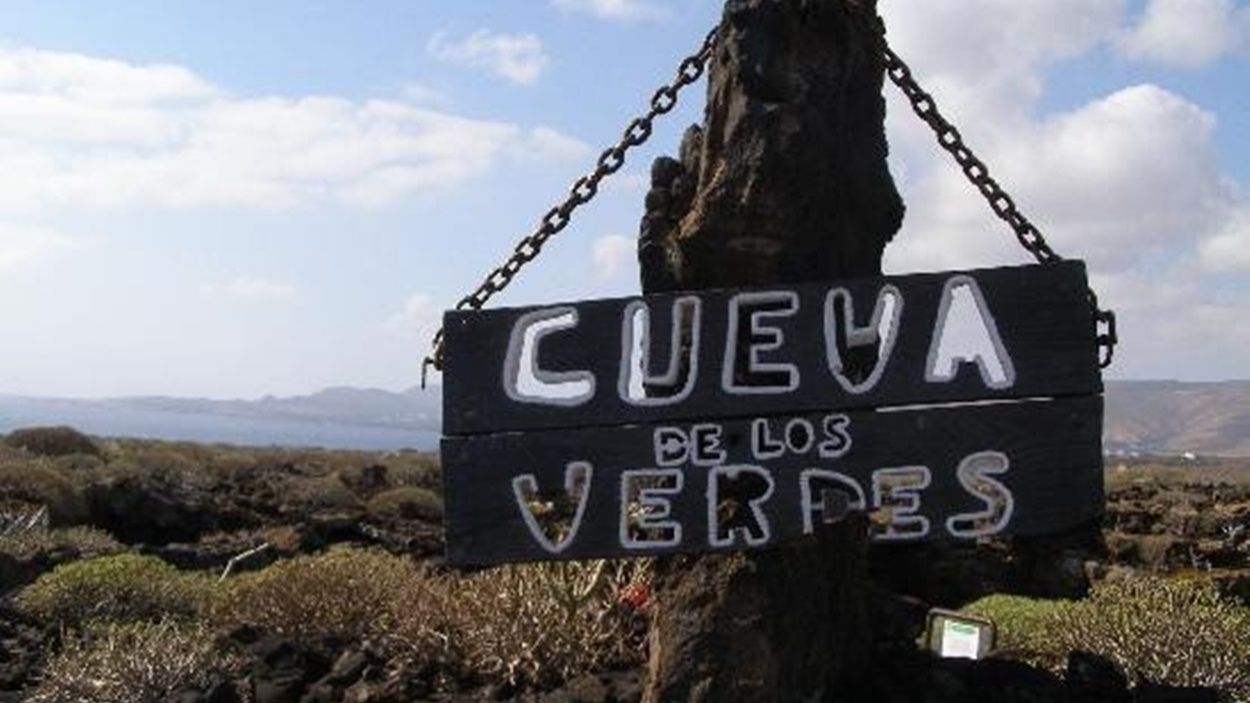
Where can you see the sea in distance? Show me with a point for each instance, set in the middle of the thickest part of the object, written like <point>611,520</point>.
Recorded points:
<point>121,419</point>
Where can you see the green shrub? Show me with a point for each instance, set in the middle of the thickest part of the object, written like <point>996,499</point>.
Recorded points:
<point>1022,624</point>
<point>1176,632</point>
<point>131,663</point>
<point>408,502</point>
<point>37,482</point>
<point>1173,632</point>
<point>52,441</point>
<point>123,587</point>
<point>342,592</point>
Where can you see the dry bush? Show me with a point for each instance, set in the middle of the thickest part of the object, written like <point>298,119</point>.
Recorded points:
<point>534,625</point>
<point>526,625</point>
<point>131,663</point>
<point>1175,632</point>
<point>52,441</point>
<point>320,493</point>
<point>410,468</point>
<point>123,587</point>
<point>78,463</point>
<point>36,482</point>
<point>343,592</point>
<point>83,541</point>
<point>408,502</point>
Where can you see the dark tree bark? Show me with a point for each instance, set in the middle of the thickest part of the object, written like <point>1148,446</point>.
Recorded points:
<point>785,182</point>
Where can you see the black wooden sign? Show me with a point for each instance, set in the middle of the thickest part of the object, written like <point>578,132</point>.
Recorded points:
<point>578,365</point>
<point>949,405</point>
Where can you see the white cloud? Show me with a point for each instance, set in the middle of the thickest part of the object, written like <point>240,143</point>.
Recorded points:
<point>517,58</point>
<point>625,10</point>
<point>421,94</point>
<point>21,246</point>
<point>83,131</point>
<point>31,72</point>
<point>612,254</point>
<point>414,326</point>
<point>1172,326</point>
<point>1114,182</point>
<point>1129,181</point>
<point>983,59</point>
<point>1187,33</point>
<point>1229,250</point>
<point>419,317</point>
<point>252,289</point>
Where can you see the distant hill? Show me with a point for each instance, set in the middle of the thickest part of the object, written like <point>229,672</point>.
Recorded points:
<point>410,409</point>
<point>1146,417</point>
<point>349,418</point>
<point>1170,417</point>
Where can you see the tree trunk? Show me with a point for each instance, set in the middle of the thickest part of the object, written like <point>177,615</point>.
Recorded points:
<point>786,182</point>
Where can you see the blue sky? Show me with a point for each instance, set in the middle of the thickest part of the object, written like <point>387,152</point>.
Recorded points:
<point>238,199</point>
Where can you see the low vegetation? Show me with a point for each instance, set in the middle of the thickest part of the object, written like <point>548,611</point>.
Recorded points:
<point>523,625</point>
<point>411,502</point>
<point>344,593</point>
<point>123,588</point>
<point>1179,632</point>
<point>120,626</point>
<point>126,663</point>
<point>83,542</point>
<point>52,441</point>
<point>37,482</point>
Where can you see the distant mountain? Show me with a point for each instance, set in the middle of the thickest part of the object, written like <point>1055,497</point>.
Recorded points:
<point>1147,417</point>
<point>410,409</point>
<point>349,418</point>
<point>1171,417</point>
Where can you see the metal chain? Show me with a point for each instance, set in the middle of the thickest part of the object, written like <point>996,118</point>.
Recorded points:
<point>949,138</point>
<point>581,192</point>
<point>664,100</point>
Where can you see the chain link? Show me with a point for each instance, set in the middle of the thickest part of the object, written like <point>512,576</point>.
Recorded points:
<point>581,192</point>
<point>949,138</point>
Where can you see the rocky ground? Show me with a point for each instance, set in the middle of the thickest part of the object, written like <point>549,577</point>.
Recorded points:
<point>198,508</point>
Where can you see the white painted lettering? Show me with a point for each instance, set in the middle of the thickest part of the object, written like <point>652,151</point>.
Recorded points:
<point>965,332</point>
<point>763,445</point>
<point>735,495</point>
<point>524,381</point>
<point>672,446</point>
<point>896,495</point>
<point>975,473</point>
<point>748,332</point>
<point>705,442</point>
<point>645,508</point>
<point>636,383</point>
<point>818,490</point>
<point>838,436</point>
<point>842,335</point>
<point>577,476</point>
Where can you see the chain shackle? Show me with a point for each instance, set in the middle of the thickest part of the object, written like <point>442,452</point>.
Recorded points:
<point>581,192</point>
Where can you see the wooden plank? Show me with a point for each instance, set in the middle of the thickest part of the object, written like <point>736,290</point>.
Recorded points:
<point>1039,313</point>
<point>1048,455</point>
